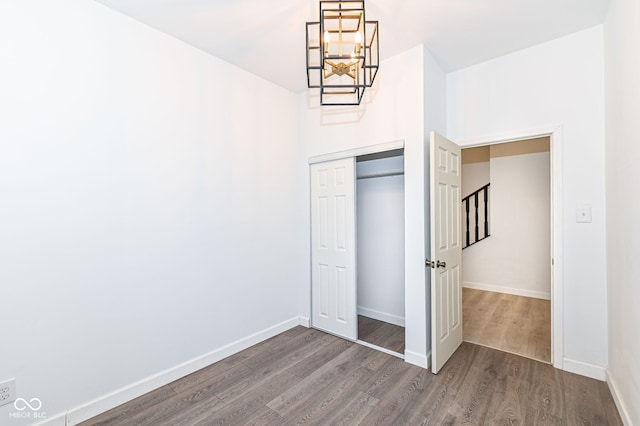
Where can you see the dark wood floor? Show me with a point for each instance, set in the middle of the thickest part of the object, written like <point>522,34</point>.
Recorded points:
<point>305,376</point>
<point>380,333</point>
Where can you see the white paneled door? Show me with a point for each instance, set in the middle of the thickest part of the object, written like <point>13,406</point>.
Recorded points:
<point>446,250</point>
<point>333,248</point>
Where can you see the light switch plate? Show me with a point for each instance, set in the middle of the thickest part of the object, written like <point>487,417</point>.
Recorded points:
<point>583,214</point>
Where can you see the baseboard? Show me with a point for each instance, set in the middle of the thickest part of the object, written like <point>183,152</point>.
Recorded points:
<point>304,321</point>
<point>127,393</point>
<point>381,316</point>
<point>58,420</point>
<point>507,290</point>
<point>417,359</point>
<point>622,408</point>
<point>584,369</point>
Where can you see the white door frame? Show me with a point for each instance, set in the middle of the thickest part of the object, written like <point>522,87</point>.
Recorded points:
<point>554,132</point>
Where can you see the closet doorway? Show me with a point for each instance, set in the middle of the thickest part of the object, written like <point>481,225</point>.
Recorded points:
<point>358,252</point>
<point>380,250</point>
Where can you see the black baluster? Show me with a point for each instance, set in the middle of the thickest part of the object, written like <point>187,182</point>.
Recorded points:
<point>486,211</point>
<point>466,201</point>
<point>475,196</point>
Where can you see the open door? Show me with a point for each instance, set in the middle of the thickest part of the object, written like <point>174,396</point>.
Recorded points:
<point>333,248</point>
<point>446,250</point>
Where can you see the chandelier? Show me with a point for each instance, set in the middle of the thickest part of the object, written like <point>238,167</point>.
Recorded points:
<point>342,52</point>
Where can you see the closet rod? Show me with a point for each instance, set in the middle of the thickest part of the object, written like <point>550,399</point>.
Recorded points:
<point>381,174</point>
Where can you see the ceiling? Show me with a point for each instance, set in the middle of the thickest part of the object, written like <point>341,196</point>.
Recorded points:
<point>267,37</point>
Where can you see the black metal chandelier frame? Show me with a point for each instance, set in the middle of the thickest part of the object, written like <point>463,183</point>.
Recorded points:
<point>342,52</point>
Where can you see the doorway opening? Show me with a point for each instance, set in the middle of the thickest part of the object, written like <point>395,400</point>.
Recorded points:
<point>508,276</point>
<point>380,260</point>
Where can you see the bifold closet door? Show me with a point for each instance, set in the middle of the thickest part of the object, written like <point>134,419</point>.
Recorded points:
<point>333,248</point>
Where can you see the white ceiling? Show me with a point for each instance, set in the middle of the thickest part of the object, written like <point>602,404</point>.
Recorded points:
<point>267,37</point>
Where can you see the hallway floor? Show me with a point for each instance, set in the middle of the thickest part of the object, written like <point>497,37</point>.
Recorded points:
<point>514,324</point>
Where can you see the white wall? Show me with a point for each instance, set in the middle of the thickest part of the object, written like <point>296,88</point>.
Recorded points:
<point>380,239</point>
<point>435,120</point>
<point>516,258</point>
<point>622,83</point>
<point>149,194</point>
<point>559,83</point>
<point>435,97</point>
<point>395,113</point>
<point>474,177</point>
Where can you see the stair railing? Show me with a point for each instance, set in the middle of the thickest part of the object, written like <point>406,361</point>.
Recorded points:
<point>477,200</point>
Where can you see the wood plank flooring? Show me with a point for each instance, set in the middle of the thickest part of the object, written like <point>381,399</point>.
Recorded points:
<point>305,376</point>
<point>516,324</point>
<point>380,333</point>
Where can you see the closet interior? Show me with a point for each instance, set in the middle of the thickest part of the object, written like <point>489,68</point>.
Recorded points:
<point>380,250</point>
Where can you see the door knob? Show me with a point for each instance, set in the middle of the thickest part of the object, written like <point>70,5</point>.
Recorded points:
<point>429,263</point>
<point>441,264</point>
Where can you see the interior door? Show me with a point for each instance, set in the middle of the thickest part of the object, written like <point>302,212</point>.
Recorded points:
<point>333,248</point>
<point>446,250</point>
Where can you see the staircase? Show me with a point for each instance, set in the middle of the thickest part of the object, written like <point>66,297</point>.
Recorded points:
<point>475,207</point>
